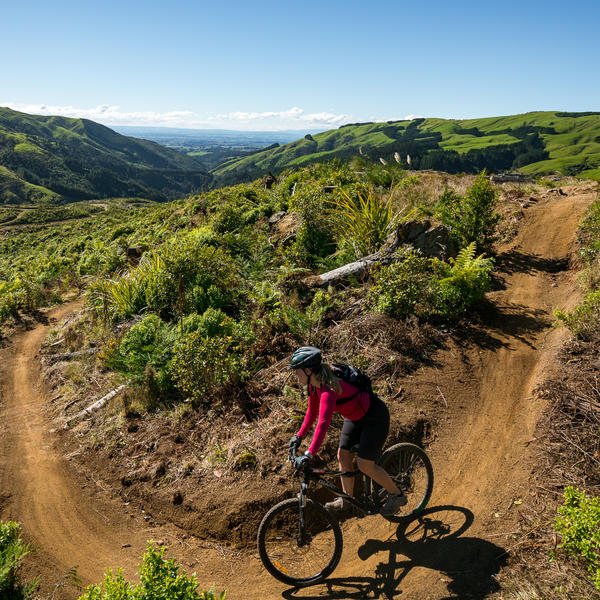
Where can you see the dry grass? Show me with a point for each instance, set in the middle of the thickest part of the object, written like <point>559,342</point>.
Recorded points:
<point>383,346</point>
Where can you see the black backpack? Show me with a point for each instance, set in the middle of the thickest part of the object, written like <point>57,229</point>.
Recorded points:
<point>354,376</point>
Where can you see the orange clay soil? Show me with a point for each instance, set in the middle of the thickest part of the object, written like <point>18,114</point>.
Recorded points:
<point>483,453</point>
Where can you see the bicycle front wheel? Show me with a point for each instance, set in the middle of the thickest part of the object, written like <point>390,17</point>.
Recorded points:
<point>299,551</point>
<point>410,468</point>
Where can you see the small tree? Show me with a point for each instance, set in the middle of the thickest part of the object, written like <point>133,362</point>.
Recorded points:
<point>472,218</point>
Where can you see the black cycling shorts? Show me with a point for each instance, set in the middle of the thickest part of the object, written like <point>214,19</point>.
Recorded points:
<point>369,433</point>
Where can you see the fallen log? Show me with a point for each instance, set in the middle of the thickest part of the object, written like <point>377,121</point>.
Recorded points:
<point>70,355</point>
<point>431,240</point>
<point>96,405</point>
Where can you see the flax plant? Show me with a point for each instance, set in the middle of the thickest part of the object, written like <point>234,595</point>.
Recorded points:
<point>364,222</point>
<point>125,295</point>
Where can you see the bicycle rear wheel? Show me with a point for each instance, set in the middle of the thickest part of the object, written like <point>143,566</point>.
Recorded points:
<point>298,555</point>
<point>410,468</point>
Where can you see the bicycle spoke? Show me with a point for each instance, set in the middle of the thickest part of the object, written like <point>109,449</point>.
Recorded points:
<point>285,557</point>
<point>411,471</point>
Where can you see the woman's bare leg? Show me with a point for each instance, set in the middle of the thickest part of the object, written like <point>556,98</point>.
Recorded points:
<point>377,474</point>
<point>346,461</point>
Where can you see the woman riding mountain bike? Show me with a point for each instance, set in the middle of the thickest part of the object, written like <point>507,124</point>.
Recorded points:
<point>366,425</point>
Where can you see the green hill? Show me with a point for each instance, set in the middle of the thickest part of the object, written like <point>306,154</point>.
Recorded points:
<point>57,159</point>
<point>535,143</point>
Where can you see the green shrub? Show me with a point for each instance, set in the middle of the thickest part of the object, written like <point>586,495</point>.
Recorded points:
<point>314,239</point>
<point>399,287</point>
<point>266,294</point>
<point>589,234</point>
<point>160,579</point>
<point>9,300</point>
<point>229,218</point>
<point>584,320</point>
<point>185,275</point>
<point>22,292</point>
<point>211,323</point>
<point>578,525</point>
<point>472,218</point>
<point>192,277</point>
<point>430,287</point>
<point>201,365</point>
<point>303,324</point>
<point>12,553</point>
<point>148,342</point>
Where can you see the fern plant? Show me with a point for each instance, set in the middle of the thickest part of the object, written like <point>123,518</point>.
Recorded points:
<point>12,553</point>
<point>431,287</point>
<point>462,281</point>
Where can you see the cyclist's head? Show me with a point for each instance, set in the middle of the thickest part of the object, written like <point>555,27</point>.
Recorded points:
<point>307,357</point>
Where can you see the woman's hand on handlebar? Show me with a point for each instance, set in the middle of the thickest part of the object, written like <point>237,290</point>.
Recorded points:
<point>301,463</point>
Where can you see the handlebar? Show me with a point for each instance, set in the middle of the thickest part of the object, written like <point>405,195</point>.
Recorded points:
<point>294,458</point>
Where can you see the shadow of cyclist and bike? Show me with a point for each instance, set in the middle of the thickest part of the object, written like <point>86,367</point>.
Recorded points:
<point>434,540</point>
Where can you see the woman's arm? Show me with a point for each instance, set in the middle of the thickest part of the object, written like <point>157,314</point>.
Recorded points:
<point>311,414</point>
<point>326,408</point>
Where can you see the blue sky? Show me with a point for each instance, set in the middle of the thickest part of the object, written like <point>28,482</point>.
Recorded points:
<point>297,65</point>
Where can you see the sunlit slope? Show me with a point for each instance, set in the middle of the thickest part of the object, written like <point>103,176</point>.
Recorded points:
<point>49,159</point>
<point>537,142</point>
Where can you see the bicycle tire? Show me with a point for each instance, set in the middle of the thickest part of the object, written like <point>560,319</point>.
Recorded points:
<point>280,552</point>
<point>410,468</point>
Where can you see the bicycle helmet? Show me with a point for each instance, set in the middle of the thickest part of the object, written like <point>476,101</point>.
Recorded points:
<point>307,357</point>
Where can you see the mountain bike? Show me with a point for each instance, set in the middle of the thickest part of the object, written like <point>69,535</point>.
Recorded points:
<point>300,541</point>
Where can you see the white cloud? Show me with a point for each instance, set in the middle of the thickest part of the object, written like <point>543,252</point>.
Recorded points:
<point>105,113</point>
<point>292,118</point>
<point>295,118</point>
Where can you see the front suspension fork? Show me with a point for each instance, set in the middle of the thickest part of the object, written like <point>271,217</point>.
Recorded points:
<point>303,536</point>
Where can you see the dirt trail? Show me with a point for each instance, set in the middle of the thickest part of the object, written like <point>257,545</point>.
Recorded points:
<point>482,455</point>
<point>68,522</point>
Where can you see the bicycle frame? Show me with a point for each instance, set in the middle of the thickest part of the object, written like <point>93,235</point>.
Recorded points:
<point>364,503</point>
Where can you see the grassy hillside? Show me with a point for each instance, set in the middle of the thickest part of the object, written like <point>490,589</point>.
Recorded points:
<point>57,159</point>
<point>534,143</point>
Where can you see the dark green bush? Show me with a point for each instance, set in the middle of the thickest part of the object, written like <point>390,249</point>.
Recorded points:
<point>202,365</point>
<point>211,323</point>
<point>148,342</point>
<point>314,239</point>
<point>192,276</point>
<point>473,218</point>
<point>430,287</point>
<point>400,287</point>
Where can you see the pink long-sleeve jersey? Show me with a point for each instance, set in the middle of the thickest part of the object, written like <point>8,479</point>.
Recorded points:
<point>322,402</point>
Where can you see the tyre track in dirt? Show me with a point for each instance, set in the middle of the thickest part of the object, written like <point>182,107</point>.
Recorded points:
<point>482,456</point>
